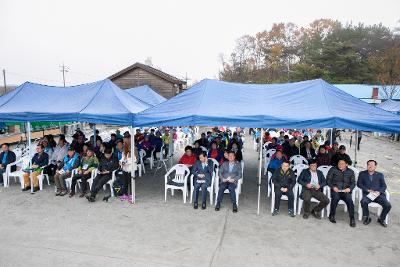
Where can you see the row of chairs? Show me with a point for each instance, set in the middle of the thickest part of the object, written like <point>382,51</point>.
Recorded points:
<point>298,202</point>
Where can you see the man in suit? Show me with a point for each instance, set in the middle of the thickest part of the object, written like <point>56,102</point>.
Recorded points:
<point>341,180</point>
<point>6,157</point>
<point>229,173</point>
<point>202,172</point>
<point>371,181</point>
<point>307,151</point>
<point>313,182</point>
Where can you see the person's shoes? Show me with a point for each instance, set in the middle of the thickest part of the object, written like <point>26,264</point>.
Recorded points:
<point>71,194</point>
<point>235,208</point>
<point>217,207</point>
<point>332,219</point>
<point>195,206</point>
<point>105,199</point>
<point>352,222</point>
<point>276,212</point>
<point>291,213</point>
<point>90,198</point>
<point>366,220</point>
<point>306,215</point>
<point>382,222</point>
<point>26,188</point>
<point>317,215</point>
<point>63,193</point>
<point>35,189</point>
<point>58,193</point>
<point>82,194</point>
<point>203,206</point>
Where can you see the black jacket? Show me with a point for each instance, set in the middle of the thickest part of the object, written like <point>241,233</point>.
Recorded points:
<point>110,164</point>
<point>281,179</point>
<point>305,178</point>
<point>336,157</point>
<point>290,151</point>
<point>10,159</point>
<point>341,179</point>
<point>40,160</point>
<point>303,152</point>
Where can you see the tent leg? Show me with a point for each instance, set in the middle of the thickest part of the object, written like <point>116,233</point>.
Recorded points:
<point>331,137</point>
<point>94,135</point>
<point>260,171</point>
<point>28,130</point>
<point>133,181</point>
<point>355,149</point>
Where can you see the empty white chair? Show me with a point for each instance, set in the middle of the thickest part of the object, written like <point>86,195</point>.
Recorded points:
<point>179,181</point>
<point>161,161</point>
<point>298,159</point>
<point>372,205</point>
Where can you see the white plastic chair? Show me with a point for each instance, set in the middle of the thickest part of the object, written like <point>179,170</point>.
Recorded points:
<point>111,182</point>
<point>298,159</point>
<point>300,189</point>
<point>238,189</point>
<point>161,161</point>
<point>210,189</point>
<point>269,177</point>
<point>142,154</point>
<point>284,197</point>
<point>90,180</point>
<point>68,181</point>
<point>204,149</point>
<point>372,205</point>
<point>22,163</point>
<point>41,177</point>
<point>267,158</point>
<point>181,175</point>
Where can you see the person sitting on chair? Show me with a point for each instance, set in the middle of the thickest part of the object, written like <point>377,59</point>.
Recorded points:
<point>88,163</point>
<point>60,151</point>
<point>323,157</point>
<point>214,152</point>
<point>372,184</point>
<point>238,152</point>
<point>202,171</point>
<point>119,150</point>
<point>203,141</point>
<point>146,146</point>
<point>313,182</point>
<point>39,160</point>
<point>341,180</point>
<point>276,161</point>
<point>107,165</point>
<point>69,163</point>
<point>229,173</point>
<point>307,151</point>
<point>283,181</point>
<point>6,157</point>
<point>125,173</point>
<point>189,159</point>
<point>341,155</point>
<point>291,149</point>
<point>274,144</point>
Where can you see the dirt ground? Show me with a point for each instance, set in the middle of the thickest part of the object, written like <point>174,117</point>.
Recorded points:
<point>44,230</point>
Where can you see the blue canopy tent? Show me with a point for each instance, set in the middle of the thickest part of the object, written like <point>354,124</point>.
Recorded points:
<point>146,94</point>
<point>391,106</point>
<point>97,102</point>
<point>307,104</point>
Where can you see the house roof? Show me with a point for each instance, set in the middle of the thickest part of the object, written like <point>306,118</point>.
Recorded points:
<point>361,91</point>
<point>150,69</point>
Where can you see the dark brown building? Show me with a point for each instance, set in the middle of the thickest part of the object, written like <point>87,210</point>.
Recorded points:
<point>140,74</point>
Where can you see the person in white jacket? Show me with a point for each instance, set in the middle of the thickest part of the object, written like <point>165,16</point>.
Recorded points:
<point>60,151</point>
<point>126,168</point>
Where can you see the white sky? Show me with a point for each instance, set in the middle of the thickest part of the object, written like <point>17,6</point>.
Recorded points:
<point>97,38</point>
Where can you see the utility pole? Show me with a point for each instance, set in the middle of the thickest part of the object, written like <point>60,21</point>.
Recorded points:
<point>4,78</point>
<point>64,69</point>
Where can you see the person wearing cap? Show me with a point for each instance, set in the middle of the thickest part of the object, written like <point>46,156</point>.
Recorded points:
<point>69,163</point>
<point>341,155</point>
<point>107,165</point>
<point>313,182</point>
<point>39,161</point>
<point>88,163</point>
<point>341,181</point>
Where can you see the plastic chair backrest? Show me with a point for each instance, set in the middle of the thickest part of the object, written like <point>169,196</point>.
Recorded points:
<point>270,152</point>
<point>356,172</point>
<point>298,159</point>
<point>297,169</point>
<point>324,169</point>
<point>180,172</point>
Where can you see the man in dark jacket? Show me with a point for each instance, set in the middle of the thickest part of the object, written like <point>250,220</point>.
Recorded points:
<point>283,181</point>
<point>290,149</point>
<point>373,186</point>
<point>313,182</point>
<point>341,155</point>
<point>323,157</point>
<point>39,161</point>
<point>341,180</point>
<point>307,151</point>
<point>6,157</point>
<point>107,165</point>
<point>203,141</point>
<point>202,172</point>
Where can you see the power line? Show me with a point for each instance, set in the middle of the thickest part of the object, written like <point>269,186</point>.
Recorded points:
<point>64,69</point>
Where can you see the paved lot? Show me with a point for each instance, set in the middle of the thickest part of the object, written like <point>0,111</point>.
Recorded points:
<point>44,230</point>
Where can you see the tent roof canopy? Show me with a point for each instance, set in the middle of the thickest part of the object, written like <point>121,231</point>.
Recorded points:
<point>390,105</point>
<point>146,94</point>
<point>307,104</point>
<point>97,102</point>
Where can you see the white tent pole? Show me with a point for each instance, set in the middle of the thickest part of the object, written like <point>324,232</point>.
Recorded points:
<point>355,149</point>
<point>260,171</point>
<point>94,135</point>
<point>331,137</point>
<point>28,129</point>
<point>133,182</point>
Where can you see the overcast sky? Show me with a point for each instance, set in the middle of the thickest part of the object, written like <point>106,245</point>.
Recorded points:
<point>98,38</point>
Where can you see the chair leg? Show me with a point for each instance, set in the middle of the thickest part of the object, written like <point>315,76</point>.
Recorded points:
<point>166,189</point>
<point>272,201</point>
<point>300,206</point>
<point>184,193</point>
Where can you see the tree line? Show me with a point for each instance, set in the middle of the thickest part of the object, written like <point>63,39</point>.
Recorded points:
<point>327,49</point>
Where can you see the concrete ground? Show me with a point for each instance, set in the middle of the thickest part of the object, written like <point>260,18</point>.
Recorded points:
<point>44,230</point>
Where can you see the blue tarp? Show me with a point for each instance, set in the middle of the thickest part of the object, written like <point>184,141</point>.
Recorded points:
<point>146,94</point>
<point>308,104</point>
<point>390,105</point>
<point>97,102</point>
